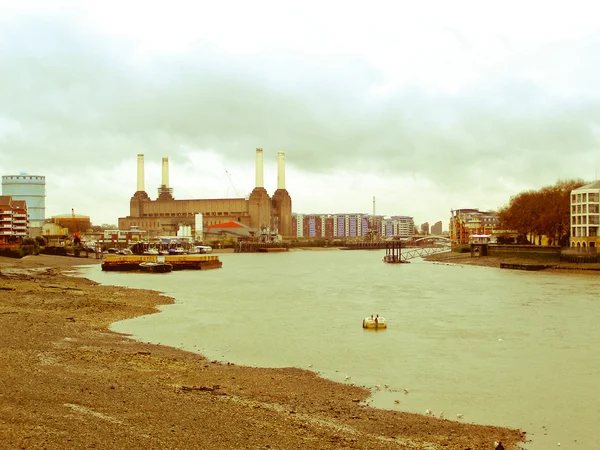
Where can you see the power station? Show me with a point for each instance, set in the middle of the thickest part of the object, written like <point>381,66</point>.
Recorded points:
<point>165,215</point>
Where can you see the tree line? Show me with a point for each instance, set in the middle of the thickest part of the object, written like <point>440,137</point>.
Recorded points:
<point>546,211</point>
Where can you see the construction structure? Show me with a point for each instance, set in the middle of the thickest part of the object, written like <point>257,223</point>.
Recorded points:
<point>165,215</point>
<point>31,189</point>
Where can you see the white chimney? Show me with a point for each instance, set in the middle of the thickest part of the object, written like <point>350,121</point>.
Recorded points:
<point>281,170</point>
<point>140,173</point>
<point>259,168</point>
<point>165,172</point>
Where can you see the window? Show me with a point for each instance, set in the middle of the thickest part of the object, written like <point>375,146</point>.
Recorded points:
<point>594,219</point>
<point>594,209</point>
<point>584,198</point>
<point>578,198</point>
<point>593,231</point>
<point>594,197</point>
<point>578,209</point>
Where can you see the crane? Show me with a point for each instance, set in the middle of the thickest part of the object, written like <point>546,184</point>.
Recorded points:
<point>76,235</point>
<point>232,185</point>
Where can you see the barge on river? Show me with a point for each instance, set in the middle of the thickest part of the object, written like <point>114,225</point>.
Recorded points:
<point>178,262</point>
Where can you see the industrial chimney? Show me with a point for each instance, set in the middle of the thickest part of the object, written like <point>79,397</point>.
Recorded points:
<point>280,170</point>
<point>165,173</point>
<point>259,168</point>
<point>140,173</point>
<point>164,191</point>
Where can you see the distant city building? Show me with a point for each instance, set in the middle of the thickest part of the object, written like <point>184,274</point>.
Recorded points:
<point>348,226</point>
<point>425,228</point>
<point>31,189</point>
<point>14,223</point>
<point>436,229</point>
<point>466,222</point>
<point>400,226</point>
<point>585,215</point>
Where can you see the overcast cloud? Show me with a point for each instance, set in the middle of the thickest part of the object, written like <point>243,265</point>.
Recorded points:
<point>426,108</point>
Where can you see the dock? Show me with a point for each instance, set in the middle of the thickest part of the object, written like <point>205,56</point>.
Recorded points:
<point>524,266</point>
<point>262,247</point>
<point>179,262</point>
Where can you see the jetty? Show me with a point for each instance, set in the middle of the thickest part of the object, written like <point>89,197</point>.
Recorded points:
<point>261,247</point>
<point>525,266</point>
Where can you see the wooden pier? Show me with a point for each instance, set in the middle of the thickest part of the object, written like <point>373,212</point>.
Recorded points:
<point>524,266</point>
<point>261,247</point>
<point>375,245</point>
<point>393,252</point>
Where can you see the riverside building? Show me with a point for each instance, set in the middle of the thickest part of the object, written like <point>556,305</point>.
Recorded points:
<point>355,225</point>
<point>14,222</point>
<point>467,222</point>
<point>585,216</point>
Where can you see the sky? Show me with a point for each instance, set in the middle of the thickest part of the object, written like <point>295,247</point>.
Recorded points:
<point>426,106</point>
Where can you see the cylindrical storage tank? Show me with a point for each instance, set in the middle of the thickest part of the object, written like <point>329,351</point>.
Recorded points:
<point>198,227</point>
<point>32,189</point>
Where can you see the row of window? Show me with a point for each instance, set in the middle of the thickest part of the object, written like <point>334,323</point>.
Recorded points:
<point>187,214</point>
<point>584,231</point>
<point>584,198</point>
<point>21,177</point>
<point>583,209</point>
<point>154,225</point>
<point>583,220</point>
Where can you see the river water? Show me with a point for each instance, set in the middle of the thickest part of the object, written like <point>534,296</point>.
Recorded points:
<point>501,347</point>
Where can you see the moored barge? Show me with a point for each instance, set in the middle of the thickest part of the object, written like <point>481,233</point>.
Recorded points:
<point>179,262</point>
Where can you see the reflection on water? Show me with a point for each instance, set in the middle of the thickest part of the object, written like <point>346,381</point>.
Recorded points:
<point>500,347</point>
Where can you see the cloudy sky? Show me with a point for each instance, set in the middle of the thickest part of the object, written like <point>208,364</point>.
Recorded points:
<point>427,106</point>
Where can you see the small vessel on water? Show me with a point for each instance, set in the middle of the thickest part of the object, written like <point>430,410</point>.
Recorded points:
<point>156,267</point>
<point>374,323</point>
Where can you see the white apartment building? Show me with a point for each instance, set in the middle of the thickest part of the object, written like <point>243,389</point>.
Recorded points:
<point>585,216</point>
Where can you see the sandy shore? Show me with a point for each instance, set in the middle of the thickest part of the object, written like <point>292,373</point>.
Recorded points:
<point>495,261</point>
<point>69,382</point>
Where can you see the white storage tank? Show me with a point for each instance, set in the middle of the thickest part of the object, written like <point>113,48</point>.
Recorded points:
<point>198,227</point>
<point>32,189</point>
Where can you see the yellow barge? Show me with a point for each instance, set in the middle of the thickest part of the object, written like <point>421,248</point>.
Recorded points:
<point>179,262</point>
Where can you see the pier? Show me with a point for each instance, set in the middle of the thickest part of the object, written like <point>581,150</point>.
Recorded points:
<point>524,266</point>
<point>261,247</point>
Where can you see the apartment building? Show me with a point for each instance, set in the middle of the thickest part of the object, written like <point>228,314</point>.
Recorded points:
<point>349,226</point>
<point>466,222</point>
<point>14,219</point>
<point>585,216</point>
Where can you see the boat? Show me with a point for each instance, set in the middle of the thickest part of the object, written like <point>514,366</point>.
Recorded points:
<point>177,262</point>
<point>374,323</point>
<point>156,267</point>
